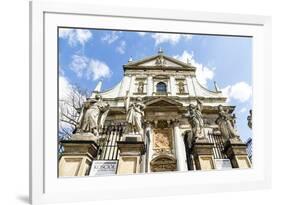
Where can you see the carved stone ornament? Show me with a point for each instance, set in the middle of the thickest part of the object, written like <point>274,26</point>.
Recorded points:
<point>160,61</point>
<point>162,142</point>
<point>163,163</point>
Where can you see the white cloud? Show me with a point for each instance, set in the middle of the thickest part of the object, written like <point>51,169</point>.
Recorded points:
<point>99,69</point>
<point>89,68</point>
<point>75,36</point>
<point>169,38</point>
<point>79,64</point>
<point>121,48</point>
<point>203,73</point>
<point>240,91</point>
<point>111,37</point>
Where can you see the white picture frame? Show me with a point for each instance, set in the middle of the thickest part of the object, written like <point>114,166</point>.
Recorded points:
<point>46,187</point>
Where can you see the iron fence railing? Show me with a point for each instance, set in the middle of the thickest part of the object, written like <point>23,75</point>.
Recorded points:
<point>218,145</point>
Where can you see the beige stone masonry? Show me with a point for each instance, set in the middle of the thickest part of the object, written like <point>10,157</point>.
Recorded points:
<point>77,157</point>
<point>203,155</point>
<point>236,151</point>
<point>130,155</point>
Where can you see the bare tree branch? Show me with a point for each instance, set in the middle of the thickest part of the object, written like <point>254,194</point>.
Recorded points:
<point>69,110</point>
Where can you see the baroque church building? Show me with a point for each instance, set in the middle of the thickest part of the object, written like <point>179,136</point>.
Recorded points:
<point>157,118</point>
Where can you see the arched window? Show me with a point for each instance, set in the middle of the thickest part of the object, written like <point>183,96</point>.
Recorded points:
<point>161,87</point>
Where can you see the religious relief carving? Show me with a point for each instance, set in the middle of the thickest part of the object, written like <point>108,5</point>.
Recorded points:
<point>93,115</point>
<point>162,140</point>
<point>163,163</point>
<point>160,61</point>
<point>226,124</point>
<point>195,119</point>
<point>135,114</point>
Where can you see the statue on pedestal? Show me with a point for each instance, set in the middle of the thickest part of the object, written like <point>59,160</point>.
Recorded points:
<point>93,115</point>
<point>196,121</point>
<point>135,115</point>
<point>249,118</point>
<point>226,124</point>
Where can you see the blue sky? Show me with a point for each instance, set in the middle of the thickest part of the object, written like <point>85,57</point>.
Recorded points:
<point>88,55</point>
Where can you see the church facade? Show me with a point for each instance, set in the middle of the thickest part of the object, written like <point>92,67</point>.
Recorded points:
<point>157,118</point>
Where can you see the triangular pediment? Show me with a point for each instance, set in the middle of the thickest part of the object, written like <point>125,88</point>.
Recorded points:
<point>162,102</point>
<point>159,61</point>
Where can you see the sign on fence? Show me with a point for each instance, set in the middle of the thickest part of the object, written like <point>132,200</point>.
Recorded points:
<point>103,167</point>
<point>223,164</point>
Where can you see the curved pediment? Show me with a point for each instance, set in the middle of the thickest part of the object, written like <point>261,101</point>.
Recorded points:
<point>163,163</point>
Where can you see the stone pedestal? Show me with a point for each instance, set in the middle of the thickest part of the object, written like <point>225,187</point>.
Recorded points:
<point>78,155</point>
<point>236,151</point>
<point>202,151</point>
<point>131,149</point>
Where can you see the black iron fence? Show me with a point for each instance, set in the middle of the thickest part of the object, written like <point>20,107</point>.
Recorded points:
<point>108,147</point>
<point>218,145</point>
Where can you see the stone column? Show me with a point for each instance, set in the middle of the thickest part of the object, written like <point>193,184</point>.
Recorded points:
<point>236,151</point>
<point>148,144</point>
<point>149,86</point>
<point>203,155</point>
<point>77,157</point>
<point>180,148</point>
<point>131,149</point>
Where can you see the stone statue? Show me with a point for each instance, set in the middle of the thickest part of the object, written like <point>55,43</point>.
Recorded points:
<point>93,115</point>
<point>181,87</point>
<point>135,115</point>
<point>140,87</point>
<point>196,121</point>
<point>226,124</point>
<point>249,118</point>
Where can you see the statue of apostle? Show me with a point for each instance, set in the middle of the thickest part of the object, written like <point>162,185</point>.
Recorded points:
<point>93,115</point>
<point>196,121</point>
<point>135,115</point>
<point>226,124</point>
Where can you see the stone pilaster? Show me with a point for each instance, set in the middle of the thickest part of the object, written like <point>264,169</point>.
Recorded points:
<point>131,149</point>
<point>173,85</point>
<point>77,156</point>
<point>203,155</point>
<point>236,151</point>
<point>149,85</point>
